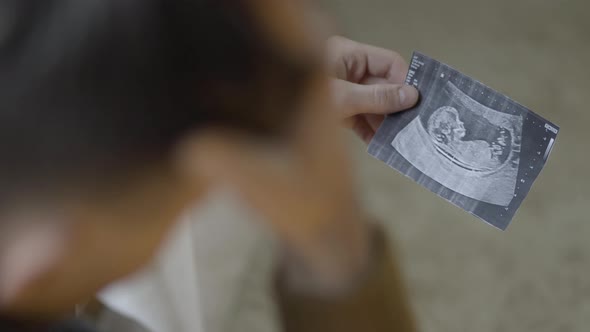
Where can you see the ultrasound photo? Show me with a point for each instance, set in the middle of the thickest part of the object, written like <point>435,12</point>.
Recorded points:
<point>469,144</point>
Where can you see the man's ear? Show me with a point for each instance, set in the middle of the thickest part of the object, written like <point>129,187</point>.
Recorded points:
<point>28,249</point>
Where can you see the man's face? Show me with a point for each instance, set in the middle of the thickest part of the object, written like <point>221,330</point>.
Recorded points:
<point>108,239</point>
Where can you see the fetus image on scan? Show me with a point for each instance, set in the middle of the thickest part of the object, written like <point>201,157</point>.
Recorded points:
<point>467,147</point>
<point>448,132</point>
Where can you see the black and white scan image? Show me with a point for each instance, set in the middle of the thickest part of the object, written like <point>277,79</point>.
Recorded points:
<point>466,142</point>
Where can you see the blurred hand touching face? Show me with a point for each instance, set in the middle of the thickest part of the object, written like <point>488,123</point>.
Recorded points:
<point>368,84</point>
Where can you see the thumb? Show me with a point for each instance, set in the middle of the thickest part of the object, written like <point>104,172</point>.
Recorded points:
<point>355,99</point>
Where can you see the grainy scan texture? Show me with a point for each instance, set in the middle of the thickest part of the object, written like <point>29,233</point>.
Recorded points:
<point>467,143</point>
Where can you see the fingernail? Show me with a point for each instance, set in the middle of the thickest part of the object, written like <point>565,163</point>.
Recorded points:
<point>408,96</point>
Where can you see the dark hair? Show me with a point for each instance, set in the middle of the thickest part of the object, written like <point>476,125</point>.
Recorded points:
<point>91,86</point>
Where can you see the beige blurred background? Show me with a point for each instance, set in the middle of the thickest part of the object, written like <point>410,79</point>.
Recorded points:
<point>463,275</point>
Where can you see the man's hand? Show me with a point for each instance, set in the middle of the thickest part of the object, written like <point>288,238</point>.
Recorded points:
<point>368,84</point>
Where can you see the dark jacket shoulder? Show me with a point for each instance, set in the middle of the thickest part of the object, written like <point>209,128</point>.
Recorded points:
<point>7,325</point>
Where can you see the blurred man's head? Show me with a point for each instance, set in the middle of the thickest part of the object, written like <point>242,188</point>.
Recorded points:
<point>101,103</point>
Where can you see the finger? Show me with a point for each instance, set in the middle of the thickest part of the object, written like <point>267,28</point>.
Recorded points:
<point>385,63</point>
<point>260,179</point>
<point>222,159</point>
<point>371,80</point>
<point>353,99</point>
<point>374,120</point>
<point>353,61</point>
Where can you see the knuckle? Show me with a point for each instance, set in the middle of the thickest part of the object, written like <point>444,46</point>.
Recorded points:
<point>334,40</point>
<point>396,55</point>
<point>398,61</point>
<point>355,64</point>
